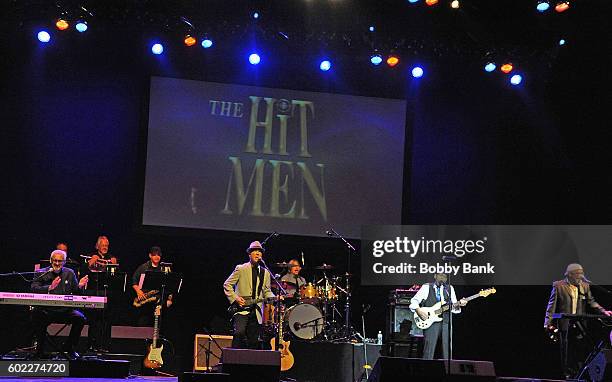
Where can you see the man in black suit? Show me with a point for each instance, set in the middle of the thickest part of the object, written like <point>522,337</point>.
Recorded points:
<point>57,279</point>
<point>571,295</point>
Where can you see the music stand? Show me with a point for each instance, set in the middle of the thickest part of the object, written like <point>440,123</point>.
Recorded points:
<point>166,283</point>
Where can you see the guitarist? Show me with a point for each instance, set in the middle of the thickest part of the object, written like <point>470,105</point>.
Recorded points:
<point>145,312</point>
<point>429,295</point>
<point>248,280</point>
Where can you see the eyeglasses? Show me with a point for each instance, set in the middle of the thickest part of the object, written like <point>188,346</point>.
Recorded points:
<point>57,261</point>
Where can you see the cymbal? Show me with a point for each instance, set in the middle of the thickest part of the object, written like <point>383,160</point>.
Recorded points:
<point>282,265</point>
<point>324,267</point>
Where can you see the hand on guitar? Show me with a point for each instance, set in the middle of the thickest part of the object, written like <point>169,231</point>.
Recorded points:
<point>240,301</point>
<point>607,313</point>
<point>140,295</point>
<point>463,302</point>
<point>422,313</point>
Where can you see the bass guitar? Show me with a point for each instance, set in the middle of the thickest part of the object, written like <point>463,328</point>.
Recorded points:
<point>434,313</point>
<point>249,304</point>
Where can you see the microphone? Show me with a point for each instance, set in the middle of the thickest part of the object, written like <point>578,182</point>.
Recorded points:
<point>44,273</point>
<point>583,278</point>
<point>275,234</point>
<point>302,257</point>
<point>330,232</point>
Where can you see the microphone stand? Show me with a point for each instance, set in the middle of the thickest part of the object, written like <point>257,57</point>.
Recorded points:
<point>347,307</point>
<point>208,352</point>
<point>450,315</point>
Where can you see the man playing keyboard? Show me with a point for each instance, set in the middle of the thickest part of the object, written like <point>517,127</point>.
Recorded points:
<point>57,279</point>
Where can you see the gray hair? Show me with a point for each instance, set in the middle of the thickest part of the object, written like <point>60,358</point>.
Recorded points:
<point>58,251</point>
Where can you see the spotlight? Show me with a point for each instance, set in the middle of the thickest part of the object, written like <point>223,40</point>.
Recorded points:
<point>392,60</point>
<point>157,49</point>
<point>61,24</point>
<point>455,4</point>
<point>562,6</point>
<point>81,26</point>
<point>189,40</point>
<point>325,65</point>
<point>542,6</point>
<point>255,15</point>
<point>207,43</point>
<point>562,42</point>
<point>417,72</point>
<point>431,2</point>
<point>490,66</point>
<point>43,36</point>
<point>254,59</point>
<point>506,68</point>
<point>376,59</point>
<point>516,79</point>
<point>371,29</point>
<point>413,1</point>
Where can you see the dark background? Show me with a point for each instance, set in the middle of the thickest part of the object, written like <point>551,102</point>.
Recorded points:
<point>478,150</point>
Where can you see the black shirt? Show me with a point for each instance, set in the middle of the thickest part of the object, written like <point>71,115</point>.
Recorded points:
<point>142,268</point>
<point>67,285</point>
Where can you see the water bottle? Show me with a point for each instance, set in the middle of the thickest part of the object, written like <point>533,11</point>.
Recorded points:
<point>379,338</point>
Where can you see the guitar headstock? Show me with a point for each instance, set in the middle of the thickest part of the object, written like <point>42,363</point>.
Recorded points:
<point>157,311</point>
<point>486,292</point>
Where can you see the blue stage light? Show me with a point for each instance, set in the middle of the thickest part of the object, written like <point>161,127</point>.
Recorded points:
<point>256,15</point>
<point>376,59</point>
<point>207,43</point>
<point>81,26</point>
<point>562,42</point>
<point>371,29</point>
<point>543,6</point>
<point>516,79</point>
<point>44,36</point>
<point>489,67</point>
<point>417,72</point>
<point>254,59</point>
<point>325,65</point>
<point>157,48</point>
<point>413,1</point>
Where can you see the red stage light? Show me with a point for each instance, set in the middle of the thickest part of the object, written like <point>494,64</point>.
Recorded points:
<point>61,24</point>
<point>562,6</point>
<point>189,40</point>
<point>392,60</point>
<point>506,68</point>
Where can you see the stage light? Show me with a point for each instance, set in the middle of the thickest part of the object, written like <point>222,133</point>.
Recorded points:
<point>62,24</point>
<point>543,6</point>
<point>516,79</point>
<point>81,26</point>
<point>489,67</point>
<point>43,36</point>
<point>255,15</point>
<point>157,49</point>
<point>189,40</point>
<point>413,1</point>
<point>371,29</point>
<point>392,60</point>
<point>562,42</point>
<point>562,6</point>
<point>207,43</point>
<point>417,72</point>
<point>376,59</point>
<point>325,65</point>
<point>431,2</point>
<point>506,68</point>
<point>254,59</point>
<point>455,4</point>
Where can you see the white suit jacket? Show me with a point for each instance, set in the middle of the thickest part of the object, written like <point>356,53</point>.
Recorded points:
<point>240,283</point>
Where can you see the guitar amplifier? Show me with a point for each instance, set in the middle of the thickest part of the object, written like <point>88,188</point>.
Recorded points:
<point>399,325</point>
<point>202,344</point>
<point>403,296</point>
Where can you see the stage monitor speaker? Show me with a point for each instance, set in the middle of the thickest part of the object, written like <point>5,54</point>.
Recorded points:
<point>243,364</point>
<point>202,344</point>
<point>203,377</point>
<point>600,368</point>
<point>388,368</point>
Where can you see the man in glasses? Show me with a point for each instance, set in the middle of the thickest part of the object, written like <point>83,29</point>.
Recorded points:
<point>57,279</point>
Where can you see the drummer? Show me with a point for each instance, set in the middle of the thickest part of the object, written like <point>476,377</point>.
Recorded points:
<point>292,279</point>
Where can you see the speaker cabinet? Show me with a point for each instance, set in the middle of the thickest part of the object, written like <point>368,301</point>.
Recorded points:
<point>244,364</point>
<point>388,368</point>
<point>600,368</point>
<point>202,345</point>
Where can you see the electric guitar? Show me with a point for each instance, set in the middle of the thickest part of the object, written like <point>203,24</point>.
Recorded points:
<point>287,359</point>
<point>153,359</point>
<point>249,304</point>
<point>434,313</point>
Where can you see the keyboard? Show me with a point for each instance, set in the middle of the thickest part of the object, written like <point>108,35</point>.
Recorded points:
<point>580,316</point>
<point>57,300</point>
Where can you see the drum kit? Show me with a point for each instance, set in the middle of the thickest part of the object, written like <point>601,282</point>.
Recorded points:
<point>310,310</point>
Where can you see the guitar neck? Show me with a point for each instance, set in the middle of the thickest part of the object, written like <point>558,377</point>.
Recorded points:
<point>456,304</point>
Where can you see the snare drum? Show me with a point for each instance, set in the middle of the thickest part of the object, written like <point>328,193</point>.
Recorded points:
<point>328,293</point>
<point>308,291</point>
<point>304,320</point>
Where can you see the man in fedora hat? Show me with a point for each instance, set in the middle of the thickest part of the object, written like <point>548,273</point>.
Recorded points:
<point>571,295</point>
<point>248,281</point>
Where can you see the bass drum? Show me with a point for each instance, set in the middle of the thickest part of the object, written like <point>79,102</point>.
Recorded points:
<point>305,321</point>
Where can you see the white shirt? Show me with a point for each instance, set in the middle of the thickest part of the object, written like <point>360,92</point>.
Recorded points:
<point>423,293</point>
